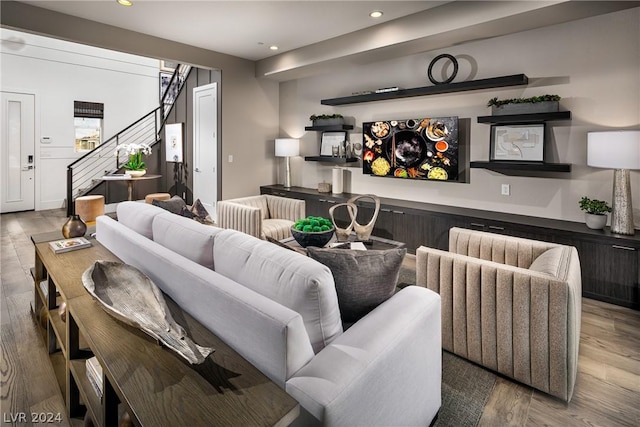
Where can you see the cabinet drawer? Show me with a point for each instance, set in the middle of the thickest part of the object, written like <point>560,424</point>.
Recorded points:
<point>610,272</point>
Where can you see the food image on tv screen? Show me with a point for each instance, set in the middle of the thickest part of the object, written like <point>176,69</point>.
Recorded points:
<point>425,148</point>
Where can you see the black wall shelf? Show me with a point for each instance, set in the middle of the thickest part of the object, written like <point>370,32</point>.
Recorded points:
<point>330,159</point>
<point>329,127</point>
<point>526,118</point>
<point>502,167</point>
<point>513,80</point>
<point>523,168</point>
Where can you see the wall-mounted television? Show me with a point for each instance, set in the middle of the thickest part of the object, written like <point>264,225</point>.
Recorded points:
<point>421,149</point>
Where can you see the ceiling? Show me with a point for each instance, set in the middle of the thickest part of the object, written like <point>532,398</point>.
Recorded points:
<point>313,36</point>
<point>240,28</point>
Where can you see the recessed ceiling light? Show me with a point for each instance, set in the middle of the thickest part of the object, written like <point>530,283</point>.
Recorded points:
<point>125,2</point>
<point>274,47</point>
<point>376,14</point>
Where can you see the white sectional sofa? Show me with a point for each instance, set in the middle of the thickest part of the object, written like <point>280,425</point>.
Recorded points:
<point>279,310</point>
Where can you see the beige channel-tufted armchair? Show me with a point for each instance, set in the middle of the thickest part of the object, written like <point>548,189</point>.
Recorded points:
<point>510,304</point>
<point>260,216</point>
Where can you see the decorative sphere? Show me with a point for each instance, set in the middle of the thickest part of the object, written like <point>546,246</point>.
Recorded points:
<point>317,239</point>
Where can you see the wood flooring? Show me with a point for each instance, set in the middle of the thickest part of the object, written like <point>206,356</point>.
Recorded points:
<point>607,391</point>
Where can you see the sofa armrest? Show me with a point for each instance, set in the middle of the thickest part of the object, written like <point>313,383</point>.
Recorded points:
<point>285,208</point>
<point>516,321</point>
<point>384,370</point>
<point>247,219</point>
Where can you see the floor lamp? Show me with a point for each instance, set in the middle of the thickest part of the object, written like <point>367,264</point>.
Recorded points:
<point>287,148</point>
<point>618,150</point>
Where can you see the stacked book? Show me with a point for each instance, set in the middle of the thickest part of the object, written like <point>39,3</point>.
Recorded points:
<point>66,245</point>
<point>94,374</point>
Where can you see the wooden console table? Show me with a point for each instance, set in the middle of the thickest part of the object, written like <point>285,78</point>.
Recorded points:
<point>155,385</point>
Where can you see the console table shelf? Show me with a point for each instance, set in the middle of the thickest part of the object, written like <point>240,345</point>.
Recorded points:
<point>146,379</point>
<point>513,80</point>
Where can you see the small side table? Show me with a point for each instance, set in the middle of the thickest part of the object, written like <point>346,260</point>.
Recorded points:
<point>132,180</point>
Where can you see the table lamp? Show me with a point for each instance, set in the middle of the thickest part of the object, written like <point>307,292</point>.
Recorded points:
<point>287,148</point>
<point>618,150</point>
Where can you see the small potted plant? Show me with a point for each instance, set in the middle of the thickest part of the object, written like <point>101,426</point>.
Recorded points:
<point>312,231</point>
<point>535,104</point>
<point>595,212</point>
<point>327,119</point>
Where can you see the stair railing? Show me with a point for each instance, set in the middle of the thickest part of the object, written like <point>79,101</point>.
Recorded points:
<point>86,172</point>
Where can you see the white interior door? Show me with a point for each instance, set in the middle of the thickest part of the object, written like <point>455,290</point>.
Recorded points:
<point>17,179</point>
<point>205,146</point>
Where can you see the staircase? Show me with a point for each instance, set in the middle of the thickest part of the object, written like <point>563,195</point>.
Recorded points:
<point>85,174</point>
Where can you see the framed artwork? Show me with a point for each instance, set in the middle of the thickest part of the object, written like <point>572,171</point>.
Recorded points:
<point>165,79</point>
<point>173,142</point>
<point>517,142</point>
<point>333,143</point>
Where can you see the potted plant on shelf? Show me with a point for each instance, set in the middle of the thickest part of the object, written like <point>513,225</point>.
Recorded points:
<point>535,104</point>
<point>327,119</point>
<point>135,166</point>
<point>595,212</point>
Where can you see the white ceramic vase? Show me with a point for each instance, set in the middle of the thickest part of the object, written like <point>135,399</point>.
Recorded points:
<point>596,222</point>
<point>137,174</point>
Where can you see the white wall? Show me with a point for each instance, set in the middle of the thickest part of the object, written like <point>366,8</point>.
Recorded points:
<point>59,73</point>
<point>597,73</point>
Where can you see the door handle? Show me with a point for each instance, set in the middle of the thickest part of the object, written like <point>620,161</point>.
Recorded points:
<point>28,167</point>
<point>197,169</point>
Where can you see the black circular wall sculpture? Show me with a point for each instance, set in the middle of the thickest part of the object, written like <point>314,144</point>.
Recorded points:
<point>451,77</point>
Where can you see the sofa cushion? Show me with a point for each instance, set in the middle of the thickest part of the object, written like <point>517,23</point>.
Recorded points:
<point>138,217</point>
<point>364,279</point>
<point>276,228</point>
<point>287,277</point>
<point>173,205</point>
<point>553,262</point>
<point>186,237</point>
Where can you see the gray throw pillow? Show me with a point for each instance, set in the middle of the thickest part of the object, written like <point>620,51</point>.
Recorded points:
<point>173,205</point>
<point>364,279</point>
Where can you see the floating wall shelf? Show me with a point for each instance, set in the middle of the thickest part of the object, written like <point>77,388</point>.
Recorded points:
<point>514,80</point>
<point>329,127</point>
<point>502,167</point>
<point>526,118</point>
<point>330,159</point>
<point>523,168</point>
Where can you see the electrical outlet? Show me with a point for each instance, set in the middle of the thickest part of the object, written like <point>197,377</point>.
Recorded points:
<point>506,190</point>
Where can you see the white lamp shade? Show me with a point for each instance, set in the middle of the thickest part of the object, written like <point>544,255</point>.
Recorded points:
<point>287,147</point>
<point>614,149</point>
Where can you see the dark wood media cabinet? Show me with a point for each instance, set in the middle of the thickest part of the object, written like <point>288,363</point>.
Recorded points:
<point>610,262</point>
<point>153,384</point>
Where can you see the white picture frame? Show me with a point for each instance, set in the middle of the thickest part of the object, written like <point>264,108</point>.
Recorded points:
<point>173,142</point>
<point>332,139</point>
<point>517,142</point>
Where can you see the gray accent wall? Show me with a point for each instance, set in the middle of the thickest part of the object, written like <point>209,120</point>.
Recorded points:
<point>593,63</point>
